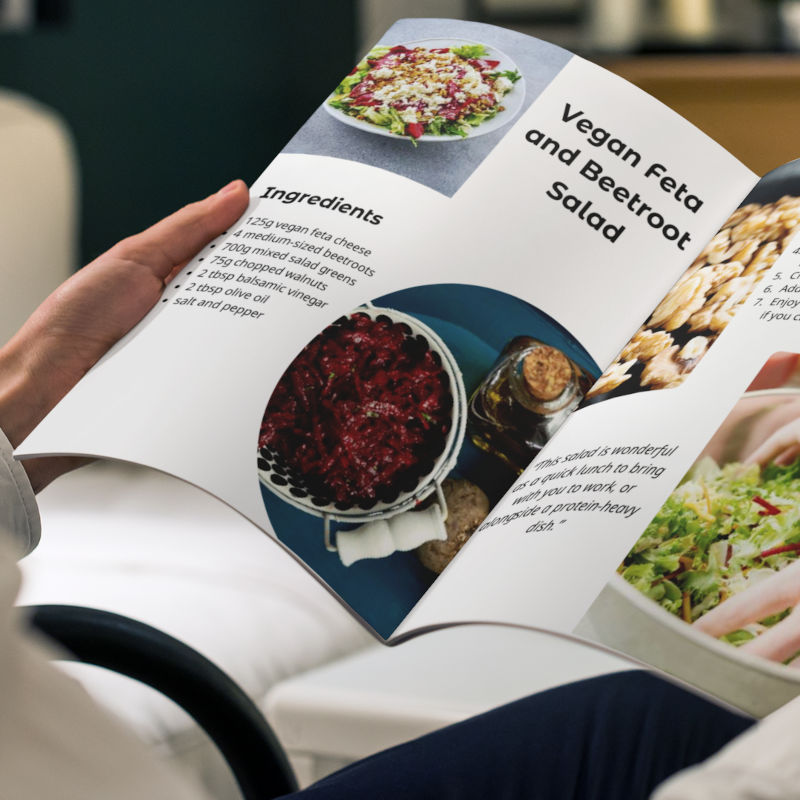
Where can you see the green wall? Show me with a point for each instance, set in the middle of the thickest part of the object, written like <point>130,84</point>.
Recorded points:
<point>170,100</point>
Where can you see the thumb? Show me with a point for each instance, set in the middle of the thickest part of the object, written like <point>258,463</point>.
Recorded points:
<point>176,238</point>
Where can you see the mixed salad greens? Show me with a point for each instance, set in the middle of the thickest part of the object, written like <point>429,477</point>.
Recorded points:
<point>419,91</point>
<point>721,531</point>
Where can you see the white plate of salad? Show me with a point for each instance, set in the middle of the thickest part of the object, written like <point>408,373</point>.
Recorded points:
<point>431,90</point>
<point>706,589</point>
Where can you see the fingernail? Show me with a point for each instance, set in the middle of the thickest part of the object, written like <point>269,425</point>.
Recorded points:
<point>229,188</point>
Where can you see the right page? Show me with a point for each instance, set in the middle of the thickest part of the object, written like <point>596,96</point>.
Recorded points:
<point>708,590</point>
<point>673,493</point>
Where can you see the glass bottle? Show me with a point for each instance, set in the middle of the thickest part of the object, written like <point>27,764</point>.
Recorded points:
<point>529,391</point>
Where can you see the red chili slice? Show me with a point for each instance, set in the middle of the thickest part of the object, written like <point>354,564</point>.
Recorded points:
<point>784,548</point>
<point>365,99</point>
<point>483,64</point>
<point>769,509</point>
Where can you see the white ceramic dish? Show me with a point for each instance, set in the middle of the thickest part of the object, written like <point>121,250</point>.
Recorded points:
<point>427,484</point>
<point>626,620</point>
<point>512,100</point>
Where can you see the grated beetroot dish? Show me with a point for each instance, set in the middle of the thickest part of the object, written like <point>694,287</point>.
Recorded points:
<point>360,415</point>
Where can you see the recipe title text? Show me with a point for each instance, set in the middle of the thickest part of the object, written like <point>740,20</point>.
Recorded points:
<point>629,200</point>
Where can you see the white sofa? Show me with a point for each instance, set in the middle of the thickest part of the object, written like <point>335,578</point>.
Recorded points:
<point>146,545</point>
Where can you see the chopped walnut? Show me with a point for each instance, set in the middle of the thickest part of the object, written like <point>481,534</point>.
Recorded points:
<point>750,227</point>
<point>661,371</point>
<point>700,320</point>
<point>683,300</point>
<point>716,248</point>
<point>720,319</point>
<point>708,295</point>
<point>740,214</point>
<point>766,256</point>
<point>692,352</point>
<point>720,273</point>
<point>727,298</point>
<point>613,377</point>
<point>741,252</point>
<point>646,344</point>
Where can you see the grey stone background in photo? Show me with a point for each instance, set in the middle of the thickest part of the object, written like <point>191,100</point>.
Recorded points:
<point>443,166</point>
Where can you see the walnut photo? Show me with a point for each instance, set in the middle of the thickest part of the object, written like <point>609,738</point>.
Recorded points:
<point>700,305</point>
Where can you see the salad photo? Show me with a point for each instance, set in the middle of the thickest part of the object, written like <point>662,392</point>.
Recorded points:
<point>723,552</point>
<point>433,90</point>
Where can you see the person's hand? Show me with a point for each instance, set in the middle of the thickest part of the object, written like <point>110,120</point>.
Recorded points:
<point>767,597</point>
<point>92,310</point>
<point>777,371</point>
<point>781,447</point>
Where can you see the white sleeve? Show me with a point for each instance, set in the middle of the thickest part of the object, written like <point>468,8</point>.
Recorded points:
<point>55,743</point>
<point>761,764</point>
<point>19,515</point>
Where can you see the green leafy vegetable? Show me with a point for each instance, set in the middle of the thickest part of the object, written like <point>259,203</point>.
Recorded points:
<point>510,74</point>
<point>469,51</point>
<point>715,535</point>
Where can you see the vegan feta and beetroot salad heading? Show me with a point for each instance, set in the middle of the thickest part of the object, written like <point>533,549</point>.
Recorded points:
<point>420,91</point>
<point>722,531</point>
<point>361,414</point>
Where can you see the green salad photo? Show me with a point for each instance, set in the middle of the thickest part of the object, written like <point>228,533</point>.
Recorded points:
<point>415,91</point>
<point>723,531</point>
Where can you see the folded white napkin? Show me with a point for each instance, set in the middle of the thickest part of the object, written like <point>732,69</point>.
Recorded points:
<point>386,536</point>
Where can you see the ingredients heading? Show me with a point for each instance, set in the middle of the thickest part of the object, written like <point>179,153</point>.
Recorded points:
<point>334,203</point>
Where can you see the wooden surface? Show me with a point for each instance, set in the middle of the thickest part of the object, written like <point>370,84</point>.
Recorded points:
<point>749,104</point>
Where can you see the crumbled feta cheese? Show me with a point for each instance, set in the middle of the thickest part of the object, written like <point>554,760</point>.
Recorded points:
<point>503,85</point>
<point>421,86</point>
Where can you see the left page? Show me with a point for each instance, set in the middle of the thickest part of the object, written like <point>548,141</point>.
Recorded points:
<point>466,195</point>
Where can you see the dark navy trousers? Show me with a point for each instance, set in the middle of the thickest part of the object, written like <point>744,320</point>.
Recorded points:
<point>613,737</point>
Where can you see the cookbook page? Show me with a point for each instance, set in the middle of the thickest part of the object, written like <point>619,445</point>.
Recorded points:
<point>454,246</point>
<point>709,588</point>
<point>680,478</point>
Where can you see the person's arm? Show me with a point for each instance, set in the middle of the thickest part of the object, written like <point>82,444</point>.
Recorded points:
<point>95,308</point>
<point>19,516</point>
<point>55,743</point>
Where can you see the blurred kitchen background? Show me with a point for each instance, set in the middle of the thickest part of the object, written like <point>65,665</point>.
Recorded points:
<point>164,102</point>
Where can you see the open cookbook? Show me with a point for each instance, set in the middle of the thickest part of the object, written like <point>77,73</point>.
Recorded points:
<point>500,338</point>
